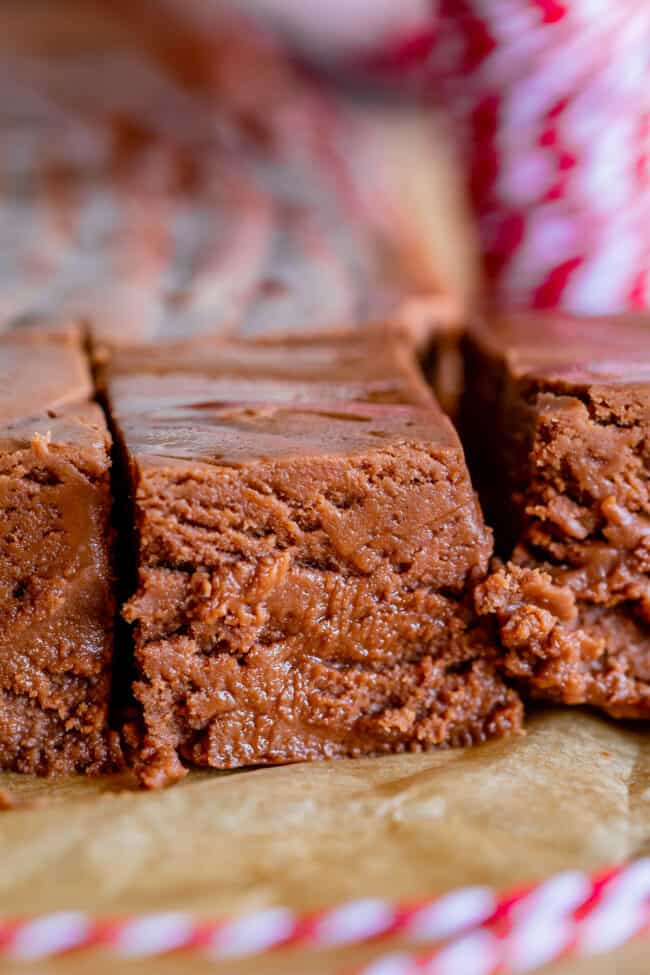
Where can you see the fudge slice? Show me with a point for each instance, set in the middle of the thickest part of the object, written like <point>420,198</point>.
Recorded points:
<point>558,421</point>
<point>303,569</point>
<point>56,576</point>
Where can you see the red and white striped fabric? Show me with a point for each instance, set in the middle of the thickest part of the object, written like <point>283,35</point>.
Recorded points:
<point>474,930</point>
<point>551,104</point>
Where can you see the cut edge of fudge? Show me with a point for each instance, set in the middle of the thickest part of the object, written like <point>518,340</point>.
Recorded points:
<point>566,481</point>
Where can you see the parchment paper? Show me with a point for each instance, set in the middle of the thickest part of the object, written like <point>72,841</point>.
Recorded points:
<point>574,792</point>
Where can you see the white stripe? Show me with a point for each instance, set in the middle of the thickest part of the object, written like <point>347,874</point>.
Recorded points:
<point>451,914</point>
<point>633,881</point>
<point>49,935</point>
<point>609,926</point>
<point>474,954</point>
<point>560,895</point>
<point>537,942</point>
<point>354,922</point>
<point>153,934</point>
<point>390,965</point>
<point>249,935</point>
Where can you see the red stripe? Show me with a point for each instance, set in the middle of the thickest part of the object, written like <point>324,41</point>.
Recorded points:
<point>499,251</point>
<point>638,294</point>
<point>404,53</point>
<point>549,294</point>
<point>106,932</point>
<point>303,929</point>
<point>485,163</point>
<point>549,137</point>
<point>567,160</point>
<point>202,934</point>
<point>552,11</point>
<point>478,41</point>
<point>558,108</point>
<point>8,928</point>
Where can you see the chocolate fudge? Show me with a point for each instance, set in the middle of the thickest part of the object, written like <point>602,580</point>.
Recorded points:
<point>304,566</point>
<point>56,573</point>
<point>558,418</point>
<point>253,201</point>
<point>250,247</point>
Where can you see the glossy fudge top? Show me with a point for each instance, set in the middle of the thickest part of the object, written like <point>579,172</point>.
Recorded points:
<point>161,423</point>
<point>40,376</point>
<point>277,401</point>
<point>378,367</point>
<point>571,351</point>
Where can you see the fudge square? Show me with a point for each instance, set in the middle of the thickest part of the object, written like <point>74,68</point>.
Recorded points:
<point>303,569</point>
<point>566,474</point>
<point>56,576</point>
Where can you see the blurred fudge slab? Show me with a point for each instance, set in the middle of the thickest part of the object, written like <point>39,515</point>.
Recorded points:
<point>206,188</point>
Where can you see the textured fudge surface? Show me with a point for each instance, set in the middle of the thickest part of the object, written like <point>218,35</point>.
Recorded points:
<point>569,403</point>
<point>56,593</point>
<point>302,578</point>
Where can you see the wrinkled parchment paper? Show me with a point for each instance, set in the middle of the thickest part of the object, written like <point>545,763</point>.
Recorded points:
<point>574,792</point>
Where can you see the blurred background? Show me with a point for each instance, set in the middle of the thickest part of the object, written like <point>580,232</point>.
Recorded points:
<point>175,71</point>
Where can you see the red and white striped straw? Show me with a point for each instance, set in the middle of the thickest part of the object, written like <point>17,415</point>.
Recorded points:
<point>570,912</point>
